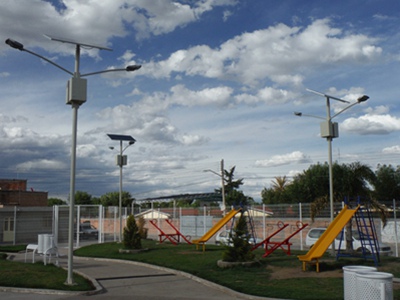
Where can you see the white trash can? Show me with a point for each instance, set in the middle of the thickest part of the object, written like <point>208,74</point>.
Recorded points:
<point>45,242</point>
<point>349,280</point>
<point>374,286</point>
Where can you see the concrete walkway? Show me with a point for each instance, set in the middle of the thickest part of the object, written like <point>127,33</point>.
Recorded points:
<point>116,279</point>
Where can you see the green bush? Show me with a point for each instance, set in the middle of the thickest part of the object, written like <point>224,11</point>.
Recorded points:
<point>240,250</point>
<point>132,239</point>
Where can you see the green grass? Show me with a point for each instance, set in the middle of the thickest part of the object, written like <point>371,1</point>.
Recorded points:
<point>253,281</point>
<point>256,280</point>
<point>37,275</point>
<point>12,248</point>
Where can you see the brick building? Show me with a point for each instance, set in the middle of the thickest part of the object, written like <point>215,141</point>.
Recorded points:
<point>13,193</point>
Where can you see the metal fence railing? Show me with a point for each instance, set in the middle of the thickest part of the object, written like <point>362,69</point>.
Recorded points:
<point>20,225</point>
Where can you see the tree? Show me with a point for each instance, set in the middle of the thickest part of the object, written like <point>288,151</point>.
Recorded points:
<point>112,199</point>
<point>82,198</point>
<point>132,239</point>
<point>277,193</point>
<point>387,184</point>
<point>233,196</point>
<point>240,250</point>
<point>55,201</point>
<point>230,183</point>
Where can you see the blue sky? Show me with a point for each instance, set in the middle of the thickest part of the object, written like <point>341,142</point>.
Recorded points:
<point>220,79</point>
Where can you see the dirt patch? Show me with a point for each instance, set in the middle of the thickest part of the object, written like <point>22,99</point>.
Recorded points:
<point>285,273</point>
<point>279,273</point>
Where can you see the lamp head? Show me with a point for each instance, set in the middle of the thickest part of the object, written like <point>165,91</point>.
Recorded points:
<point>363,98</point>
<point>132,142</point>
<point>112,148</point>
<point>14,44</point>
<point>297,113</point>
<point>132,68</point>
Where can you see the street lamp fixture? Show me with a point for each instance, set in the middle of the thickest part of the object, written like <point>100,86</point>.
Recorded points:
<point>121,160</point>
<point>76,96</point>
<point>330,130</point>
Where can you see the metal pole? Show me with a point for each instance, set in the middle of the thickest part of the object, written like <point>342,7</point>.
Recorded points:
<point>120,192</point>
<point>70,279</point>
<point>223,188</point>
<point>75,107</point>
<point>395,228</point>
<point>329,139</point>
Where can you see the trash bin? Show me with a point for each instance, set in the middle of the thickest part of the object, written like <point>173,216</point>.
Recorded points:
<point>45,242</point>
<point>374,286</point>
<point>349,280</point>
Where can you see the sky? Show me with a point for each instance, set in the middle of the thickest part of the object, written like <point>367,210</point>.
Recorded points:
<point>220,79</point>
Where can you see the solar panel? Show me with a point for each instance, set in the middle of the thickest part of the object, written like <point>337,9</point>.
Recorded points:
<point>120,137</point>
<point>70,41</point>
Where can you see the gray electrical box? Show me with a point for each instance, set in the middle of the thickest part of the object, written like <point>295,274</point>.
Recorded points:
<point>122,160</point>
<point>76,90</point>
<point>329,129</point>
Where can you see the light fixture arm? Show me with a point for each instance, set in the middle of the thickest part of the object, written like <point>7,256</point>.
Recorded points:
<point>300,114</point>
<point>48,60</point>
<point>127,69</point>
<point>359,100</point>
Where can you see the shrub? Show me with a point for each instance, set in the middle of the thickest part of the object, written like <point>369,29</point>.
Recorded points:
<point>132,238</point>
<point>240,251</point>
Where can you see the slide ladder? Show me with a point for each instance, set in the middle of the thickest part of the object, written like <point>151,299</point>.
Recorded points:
<point>221,223</point>
<point>174,238</point>
<point>367,235</point>
<point>328,237</point>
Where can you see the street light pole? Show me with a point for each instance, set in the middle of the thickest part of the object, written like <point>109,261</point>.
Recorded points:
<point>222,176</point>
<point>330,130</point>
<point>122,160</point>
<point>76,96</point>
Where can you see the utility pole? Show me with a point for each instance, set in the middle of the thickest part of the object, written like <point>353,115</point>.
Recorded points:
<point>223,188</point>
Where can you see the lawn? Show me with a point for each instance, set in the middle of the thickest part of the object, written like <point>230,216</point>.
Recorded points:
<point>259,280</point>
<point>276,276</point>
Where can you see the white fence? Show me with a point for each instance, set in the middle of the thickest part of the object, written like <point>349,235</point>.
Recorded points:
<point>22,225</point>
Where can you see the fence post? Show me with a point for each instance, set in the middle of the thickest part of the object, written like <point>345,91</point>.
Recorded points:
<point>78,223</point>
<point>395,228</point>
<point>263,216</point>
<point>55,223</point>
<point>301,220</point>
<point>15,225</point>
<point>100,225</point>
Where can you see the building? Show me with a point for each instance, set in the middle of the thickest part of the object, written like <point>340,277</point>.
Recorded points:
<point>13,192</point>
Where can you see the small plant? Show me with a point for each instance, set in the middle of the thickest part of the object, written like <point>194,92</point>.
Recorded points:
<point>132,239</point>
<point>240,251</point>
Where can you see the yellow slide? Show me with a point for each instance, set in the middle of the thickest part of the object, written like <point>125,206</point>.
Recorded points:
<point>215,228</point>
<point>327,238</point>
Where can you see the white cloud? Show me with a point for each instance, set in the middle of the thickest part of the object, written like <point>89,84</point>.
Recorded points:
<point>278,160</point>
<point>219,96</point>
<point>392,150</point>
<point>86,150</point>
<point>372,124</point>
<point>95,22</point>
<point>378,110</point>
<point>42,164</point>
<point>279,53</point>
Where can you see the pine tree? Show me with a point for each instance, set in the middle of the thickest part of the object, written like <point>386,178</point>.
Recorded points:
<point>132,238</point>
<point>240,251</point>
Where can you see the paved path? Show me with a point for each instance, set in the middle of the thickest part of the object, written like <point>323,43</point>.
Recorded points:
<point>129,280</point>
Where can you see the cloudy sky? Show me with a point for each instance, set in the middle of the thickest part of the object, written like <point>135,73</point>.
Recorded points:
<point>220,79</point>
